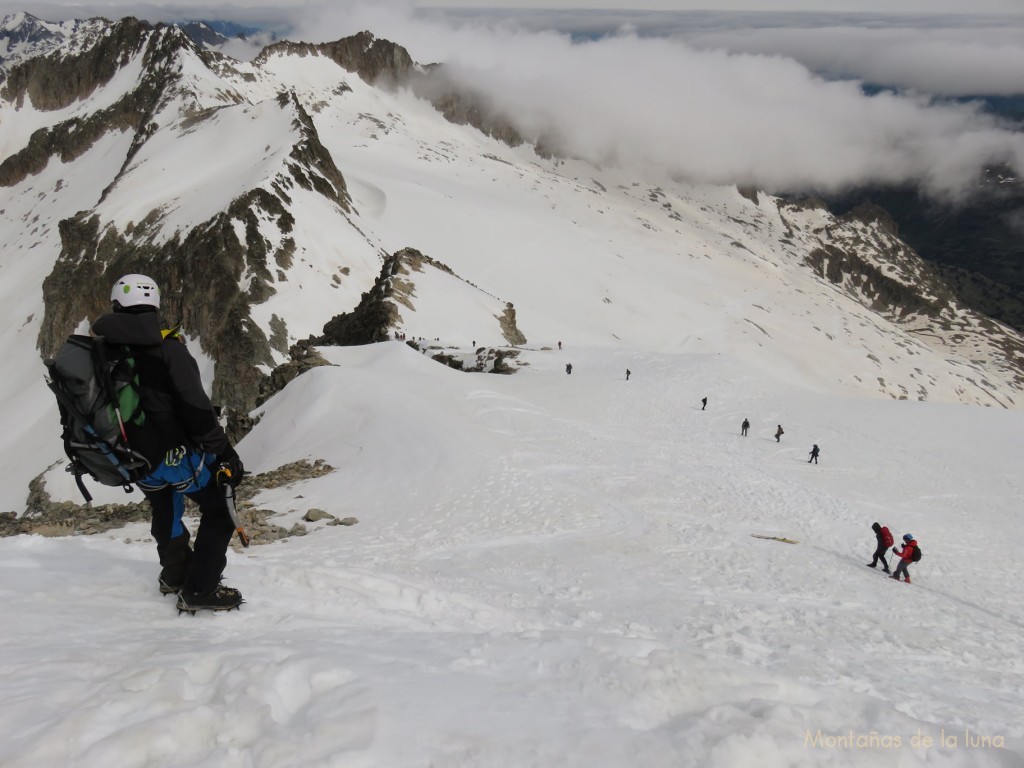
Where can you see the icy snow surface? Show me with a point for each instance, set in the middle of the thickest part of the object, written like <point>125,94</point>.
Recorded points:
<point>554,570</point>
<point>548,570</point>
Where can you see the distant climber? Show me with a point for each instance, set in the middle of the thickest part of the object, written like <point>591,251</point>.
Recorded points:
<point>883,540</point>
<point>568,367</point>
<point>814,455</point>
<point>627,374</point>
<point>703,403</point>
<point>559,345</point>
<point>744,427</point>
<point>778,434</point>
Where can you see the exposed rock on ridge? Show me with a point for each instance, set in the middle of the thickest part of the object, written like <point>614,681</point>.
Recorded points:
<point>46,517</point>
<point>201,272</point>
<point>379,309</point>
<point>386,64</point>
<point>862,255</point>
<point>464,106</point>
<point>376,313</point>
<point>310,153</point>
<point>378,62</point>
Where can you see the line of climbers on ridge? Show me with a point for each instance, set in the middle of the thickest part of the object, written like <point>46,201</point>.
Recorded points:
<point>909,553</point>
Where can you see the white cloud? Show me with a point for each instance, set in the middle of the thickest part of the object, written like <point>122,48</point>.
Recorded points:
<point>724,98</point>
<point>952,62</point>
<point>705,114</point>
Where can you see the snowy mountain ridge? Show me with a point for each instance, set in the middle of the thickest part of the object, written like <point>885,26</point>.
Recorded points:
<point>23,36</point>
<point>266,196</point>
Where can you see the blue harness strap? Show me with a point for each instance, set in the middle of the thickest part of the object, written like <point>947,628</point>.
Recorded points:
<point>186,471</point>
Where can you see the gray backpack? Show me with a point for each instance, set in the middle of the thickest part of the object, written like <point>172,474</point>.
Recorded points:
<point>97,390</point>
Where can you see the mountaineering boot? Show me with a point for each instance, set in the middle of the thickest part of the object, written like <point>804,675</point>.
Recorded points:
<point>870,565</point>
<point>220,599</point>
<point>167,588</point>
<point>175,557</point>
<point>908,579</point>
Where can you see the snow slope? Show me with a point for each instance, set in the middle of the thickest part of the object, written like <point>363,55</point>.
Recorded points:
<point>549,570</point>
<point>555,570</point>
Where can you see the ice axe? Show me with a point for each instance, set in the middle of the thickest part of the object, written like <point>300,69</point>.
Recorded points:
<point>224,480</point>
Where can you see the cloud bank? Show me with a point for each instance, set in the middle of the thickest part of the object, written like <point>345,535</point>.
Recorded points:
<point>947,62</point>
<point>704,113</point>
<point>721,98</point>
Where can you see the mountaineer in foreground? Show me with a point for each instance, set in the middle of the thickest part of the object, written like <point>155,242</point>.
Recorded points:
<point>182,439</point>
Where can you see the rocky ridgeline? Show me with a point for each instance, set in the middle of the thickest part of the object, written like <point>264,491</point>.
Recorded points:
<point>46,517</point>
<point>377,61</point>
<point>378,311</point>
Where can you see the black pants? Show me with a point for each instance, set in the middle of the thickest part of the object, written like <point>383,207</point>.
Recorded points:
<point>880,555</point>
<point>197,569</point>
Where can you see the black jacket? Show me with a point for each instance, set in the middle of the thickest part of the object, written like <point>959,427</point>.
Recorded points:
<point>178,412</point>
<point>877,528</point>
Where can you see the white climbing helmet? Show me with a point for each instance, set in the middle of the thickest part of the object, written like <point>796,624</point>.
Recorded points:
<point>136,290</point>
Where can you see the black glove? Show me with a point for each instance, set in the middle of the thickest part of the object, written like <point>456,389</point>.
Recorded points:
<point>229,468</point>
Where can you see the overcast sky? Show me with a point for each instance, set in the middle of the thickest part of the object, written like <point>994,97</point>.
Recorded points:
<point>773,99</point>
<point>242,7</point>
<point>887,6</point>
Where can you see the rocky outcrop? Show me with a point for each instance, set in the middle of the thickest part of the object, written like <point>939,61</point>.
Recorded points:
<point>304,357</point>
<point>73,138</point>
<point>873,216</point>
<point>463,105</point>
<point>883,293</point>
<point>976,241</point>
<point>379,308</point>
<point>388,65</point>
<point>378,62</point>
<point>46,517</point>
<point>202,35</point>
<point>374,316</point>
<point>862,255</point>
<point>507,320</point>
<point>310,154</point>
<point>990,297</point>
<point>749,192</point>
